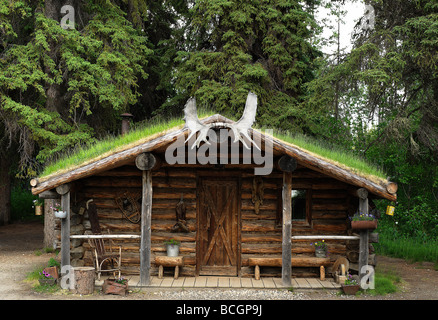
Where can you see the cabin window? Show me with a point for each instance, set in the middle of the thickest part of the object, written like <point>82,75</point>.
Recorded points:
<point>300,205</point>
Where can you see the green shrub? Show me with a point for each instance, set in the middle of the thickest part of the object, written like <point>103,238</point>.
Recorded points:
<point>22,205</point>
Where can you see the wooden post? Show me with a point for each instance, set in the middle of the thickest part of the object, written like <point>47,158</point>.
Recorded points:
<point>286,270</point>
<point>364,237</point>
<point>146,162</point>
<point>64,191</point>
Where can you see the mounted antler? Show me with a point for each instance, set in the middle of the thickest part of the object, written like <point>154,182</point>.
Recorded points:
<point>239,128</point>
<point>193,123</point>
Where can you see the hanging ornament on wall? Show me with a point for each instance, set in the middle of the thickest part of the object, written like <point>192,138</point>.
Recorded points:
<point>257,193</point>
<point>181,223</point>
<point>128,204</point>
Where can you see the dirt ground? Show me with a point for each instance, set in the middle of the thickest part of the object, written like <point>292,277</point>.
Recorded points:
<point>20,241</point>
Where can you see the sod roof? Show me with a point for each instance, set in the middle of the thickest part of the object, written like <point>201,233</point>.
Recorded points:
<point>117,151</point>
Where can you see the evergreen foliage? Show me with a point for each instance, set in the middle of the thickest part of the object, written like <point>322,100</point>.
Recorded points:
<point>389,80</point>
<point>258,46</point>
<point>91,73</point>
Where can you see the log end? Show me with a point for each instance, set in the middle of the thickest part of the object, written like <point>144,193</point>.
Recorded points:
<point>146,161</point>
<point>34,182</point>
<point>392,187</point>
<point>287,163</point>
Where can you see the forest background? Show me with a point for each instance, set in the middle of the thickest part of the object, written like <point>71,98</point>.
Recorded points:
<point>65,87</point>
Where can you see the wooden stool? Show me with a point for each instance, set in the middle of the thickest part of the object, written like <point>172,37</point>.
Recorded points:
<point>164,261</point>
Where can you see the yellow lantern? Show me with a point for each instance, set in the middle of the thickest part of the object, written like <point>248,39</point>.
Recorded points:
<point>390,210</point>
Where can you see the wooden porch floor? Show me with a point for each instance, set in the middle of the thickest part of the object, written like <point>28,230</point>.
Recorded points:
<point>232,282</point>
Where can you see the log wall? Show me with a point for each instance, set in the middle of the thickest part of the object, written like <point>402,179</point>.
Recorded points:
<point>260,233</point>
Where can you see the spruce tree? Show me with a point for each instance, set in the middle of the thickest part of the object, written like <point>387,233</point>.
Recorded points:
<point>234,47</point>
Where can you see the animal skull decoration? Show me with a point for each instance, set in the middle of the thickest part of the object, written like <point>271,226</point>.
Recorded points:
<point>239,128</point>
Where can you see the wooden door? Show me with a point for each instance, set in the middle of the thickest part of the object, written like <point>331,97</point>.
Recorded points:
<point>218,227</point>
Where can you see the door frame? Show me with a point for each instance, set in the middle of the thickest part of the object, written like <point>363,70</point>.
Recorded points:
<point>219,176</point>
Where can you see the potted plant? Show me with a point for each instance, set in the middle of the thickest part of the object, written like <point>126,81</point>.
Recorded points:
<point>172,247</point>
<point>115,286</point>
<point>320,249</point>
<point>52,268</point>
<point>57,209</point>
<point>350,286</point>
<point>38,205</point>
<point>363,221</point>
<point>46,279</point>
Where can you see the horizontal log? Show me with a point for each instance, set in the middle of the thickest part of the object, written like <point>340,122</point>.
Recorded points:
<point>325,237</point>
<point>263,215</point>
<point>49,194</point>
<point>268,184</point>
<point>296,262</point>
<point>328,194</point>
<point>330,226</point>
<point>267,205</point>
<point>260,238</point>
<point>182,237</point>
<point>105,236</point>
<point>259,226</point>
<point>169,261</point>
<point>328,214</point>
<point>262,248</point>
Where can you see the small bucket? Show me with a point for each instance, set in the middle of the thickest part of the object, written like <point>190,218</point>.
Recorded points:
<point>172,250</point>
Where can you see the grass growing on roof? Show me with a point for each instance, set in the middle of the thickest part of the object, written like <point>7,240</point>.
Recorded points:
<point>137,135</point>
<point>331,153</point>
<point>82,154</point>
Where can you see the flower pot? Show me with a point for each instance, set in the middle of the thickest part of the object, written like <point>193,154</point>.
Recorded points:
<point>38,210</point>
<point>350,289</point>
<point>172,250</point>
<point>61,214</point>
<point>364,224</point>
<point>47,281</point>
<point>53,271</point>
<point>110,286</point>
<point>320,253</point>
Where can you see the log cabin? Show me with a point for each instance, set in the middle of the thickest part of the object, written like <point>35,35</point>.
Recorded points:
<point>225,214</point>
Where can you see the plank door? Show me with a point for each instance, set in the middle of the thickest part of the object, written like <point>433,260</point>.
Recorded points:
<point>218,227</point>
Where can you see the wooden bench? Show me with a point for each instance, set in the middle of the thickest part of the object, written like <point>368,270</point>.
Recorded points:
<point>165,261</point>
<point>296,262</point>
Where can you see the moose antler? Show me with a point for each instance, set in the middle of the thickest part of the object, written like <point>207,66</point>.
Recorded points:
<point>193,123</point>
<point>239,128</point>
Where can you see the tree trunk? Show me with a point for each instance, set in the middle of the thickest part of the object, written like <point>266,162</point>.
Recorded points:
<point>54,101</point>
<point>49,224</point>
<point>5,191</point>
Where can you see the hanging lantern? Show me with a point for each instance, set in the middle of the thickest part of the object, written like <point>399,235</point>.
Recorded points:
<point>38,205</point>
<point>390,210</point>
